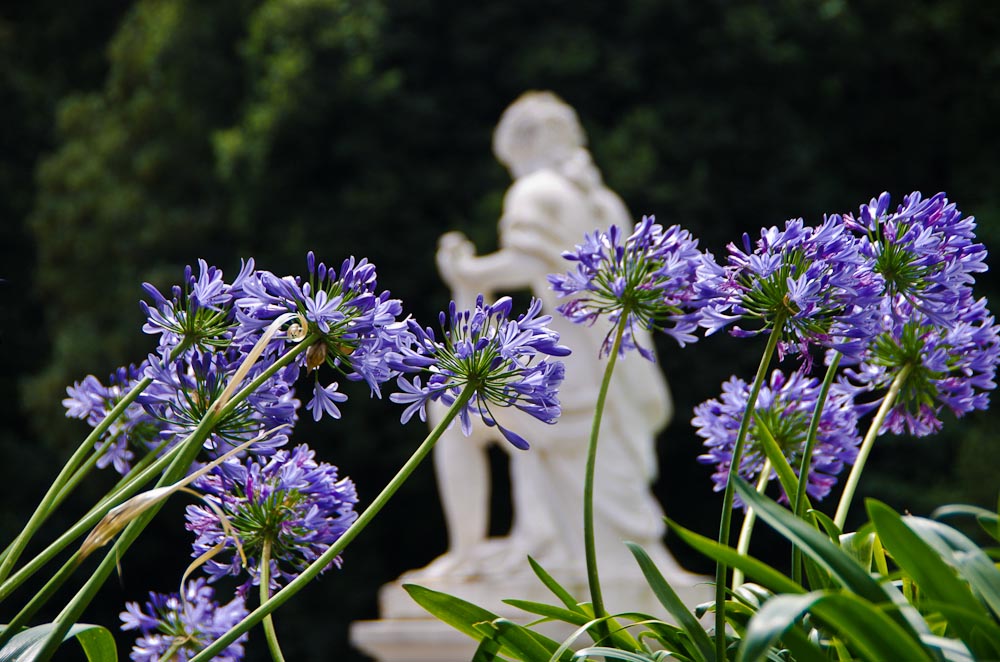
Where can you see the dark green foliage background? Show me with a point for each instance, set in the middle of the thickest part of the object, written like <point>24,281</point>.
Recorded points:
<point>136,137</point>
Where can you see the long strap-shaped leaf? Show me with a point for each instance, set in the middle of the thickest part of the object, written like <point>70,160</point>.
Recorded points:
<point>869,631</point>
<point>923,549</point>
<point>97,642</point>
<point>816,545</point>
<point>704,647</point>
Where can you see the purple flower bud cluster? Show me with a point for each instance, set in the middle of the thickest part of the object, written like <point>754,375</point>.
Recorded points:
<point>648,276</point>
<point>177,627</point>
<point>484,349</point>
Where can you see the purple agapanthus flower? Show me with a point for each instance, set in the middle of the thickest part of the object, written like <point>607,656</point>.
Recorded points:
<point>802,280</point>
<point>199,312</point>
<point>357,326</point>
<point>784,409</point>
<point>293,504</point>
<point>925,251</point>
<point>648,275</point>
<point>132,433</point>
<point>499,357</point>
<point>183,391</point>
<point>177,627</point>
<point>950,366</point>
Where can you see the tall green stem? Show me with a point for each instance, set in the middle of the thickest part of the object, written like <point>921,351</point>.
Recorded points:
<point>141,474</point>
<point>725,523</point>
<point>265,593</point>
<point>177,469</point>
<point>799,501</point>
<point>48,501</point>
<point>352,532</point>
<point>589,538</point>
<point>749,518</point>
<point>851,485</point>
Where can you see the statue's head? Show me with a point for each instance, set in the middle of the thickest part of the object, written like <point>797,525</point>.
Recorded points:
<point>537,131</point>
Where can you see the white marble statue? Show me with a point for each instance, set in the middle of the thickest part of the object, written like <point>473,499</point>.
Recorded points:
<point>557,196</point>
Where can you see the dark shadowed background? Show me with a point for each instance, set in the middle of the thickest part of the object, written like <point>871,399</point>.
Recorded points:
<point>136,137</point>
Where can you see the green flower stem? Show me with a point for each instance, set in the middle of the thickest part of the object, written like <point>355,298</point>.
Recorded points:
<point>746,530</point>
<point>725,522</point>
<point>265,593</point>
<point>851,485</point>
<point>352,532</point>
<point>800,503</point>
<point>176,471</point>
<point>81,473</point>
<point>127,487</point>
<point>48,502</point>
<point>589,542</point>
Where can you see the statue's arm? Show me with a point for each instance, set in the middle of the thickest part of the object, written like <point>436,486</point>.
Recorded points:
<point>506,269</point>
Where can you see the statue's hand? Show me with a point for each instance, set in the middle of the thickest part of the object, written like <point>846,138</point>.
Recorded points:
<point>453,249</point>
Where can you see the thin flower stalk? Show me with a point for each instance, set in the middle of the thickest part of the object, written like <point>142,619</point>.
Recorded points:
<point>320,563</point>
<point>52,496</point>
<point>174,472</point>
<point>800,502</point>
<point>590,545</point>
<point>853,478</point>
<point>265,593</point>
<point>725,521</point>
<point>749,518</point>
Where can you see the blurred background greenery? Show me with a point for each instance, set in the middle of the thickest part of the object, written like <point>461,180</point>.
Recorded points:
<point>136,137</point>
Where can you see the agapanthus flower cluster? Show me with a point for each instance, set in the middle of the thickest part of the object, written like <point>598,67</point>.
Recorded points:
<point>357,326</point>
<point>175,627</point>
<point>648,276</point>
<point>950,366</point>
<point>184,390</point>
<point>289,503</point>
<point>928,325</point>
<point>135,431</point>
<point>199,312</point>
<point>797,282</point>
<point>497,356</point>
<point>925,251</point>
<point>784,409</point>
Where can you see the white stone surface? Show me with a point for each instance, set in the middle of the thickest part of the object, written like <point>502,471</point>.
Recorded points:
<point>557,196</point>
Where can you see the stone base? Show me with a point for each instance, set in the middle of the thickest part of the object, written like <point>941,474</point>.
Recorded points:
<point>411,640</point>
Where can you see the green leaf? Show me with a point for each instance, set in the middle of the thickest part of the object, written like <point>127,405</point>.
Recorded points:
<point>860,547</point>
<point>786,475</point>
<point>619,635</point>
<point>751,567</point>
<point>832,530</point>
<point>924,564</point>
<point>97,642</point>
<point>985,630</point>
<point>523,643</point>
<point>989,520</point>
<point>557,589</point>
<point>461,615</point>
<point>673,604</point>
<point>869,630</point>
<point>612,654</point>
<point>971,562</point>
<point>815,545</point>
